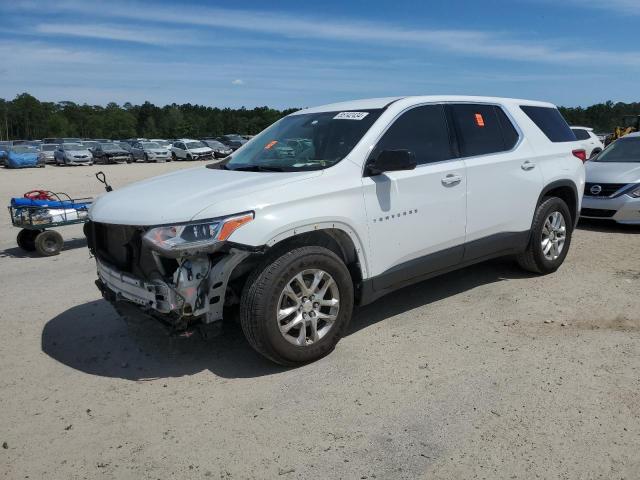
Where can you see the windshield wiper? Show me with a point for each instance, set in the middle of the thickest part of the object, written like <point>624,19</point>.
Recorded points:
<point>258,168</point>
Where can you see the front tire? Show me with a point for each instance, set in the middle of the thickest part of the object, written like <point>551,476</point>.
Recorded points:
<point>550,237</point>
<point>49,243</point>
<point>296,307</point>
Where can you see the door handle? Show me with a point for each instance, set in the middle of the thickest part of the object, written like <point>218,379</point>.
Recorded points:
<point>527,165</point>
<point>451,179</point>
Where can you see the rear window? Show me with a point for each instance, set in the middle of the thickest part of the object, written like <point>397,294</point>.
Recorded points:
<point>551,122</point>
<point>483,129</point>
<point>580,133</point>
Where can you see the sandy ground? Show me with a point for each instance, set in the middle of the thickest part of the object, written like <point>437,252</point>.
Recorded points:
<point>457,377</point>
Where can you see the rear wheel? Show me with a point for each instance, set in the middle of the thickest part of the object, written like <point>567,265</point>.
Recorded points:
<point>49,243</point>
<point>550,237</point>
<point>296,307</point>
<point>26,239</point>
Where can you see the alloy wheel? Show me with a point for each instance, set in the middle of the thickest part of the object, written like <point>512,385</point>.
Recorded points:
<point>554,234</point>
<point>308,307</point>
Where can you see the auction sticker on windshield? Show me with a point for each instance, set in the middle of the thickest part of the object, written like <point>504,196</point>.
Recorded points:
<point>351,115</point>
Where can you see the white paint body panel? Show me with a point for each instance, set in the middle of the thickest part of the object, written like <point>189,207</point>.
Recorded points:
<point>495,195</point>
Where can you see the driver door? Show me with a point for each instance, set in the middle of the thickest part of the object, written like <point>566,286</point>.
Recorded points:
<point>416,218</point>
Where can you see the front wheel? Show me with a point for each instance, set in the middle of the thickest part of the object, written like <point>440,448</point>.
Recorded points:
<point>550,237</point>
<point>296,307</point>
<point>173,156</point>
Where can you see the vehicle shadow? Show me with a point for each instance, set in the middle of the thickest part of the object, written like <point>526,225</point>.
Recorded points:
<point>610,226</point>
<point>92,338</point>
<point>17,252</point>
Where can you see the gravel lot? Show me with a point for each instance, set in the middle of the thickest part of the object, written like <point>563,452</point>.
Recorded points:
<point>456,377</point>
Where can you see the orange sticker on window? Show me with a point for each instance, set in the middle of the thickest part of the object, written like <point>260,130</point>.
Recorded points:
<point>270,144</point>
<point>479,120</point>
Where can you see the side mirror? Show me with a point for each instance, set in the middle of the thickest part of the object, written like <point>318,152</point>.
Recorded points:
<point>391,161</point>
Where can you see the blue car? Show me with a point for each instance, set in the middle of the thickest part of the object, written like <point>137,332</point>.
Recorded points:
<point>24,156</point>
<point>4,151</point>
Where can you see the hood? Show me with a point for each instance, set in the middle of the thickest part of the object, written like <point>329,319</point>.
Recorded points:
<point>116,152</point>
<point>77,152</point>
<point>200,150</point>
<point>611,172</point>
<point>157,150</point>
<point>180,196</point>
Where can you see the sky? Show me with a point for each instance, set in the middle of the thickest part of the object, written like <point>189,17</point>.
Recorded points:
<point>298,53</point>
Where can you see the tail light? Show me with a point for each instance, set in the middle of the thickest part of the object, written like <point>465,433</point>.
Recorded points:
<point>581,154</point>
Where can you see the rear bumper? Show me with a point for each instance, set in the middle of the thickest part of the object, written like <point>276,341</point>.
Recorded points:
<point>622,209</point>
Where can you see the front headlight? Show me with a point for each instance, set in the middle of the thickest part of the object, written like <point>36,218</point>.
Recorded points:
<point>635,193</point>
<point>177,240</point>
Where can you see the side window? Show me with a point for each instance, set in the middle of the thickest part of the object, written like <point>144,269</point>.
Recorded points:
<point>551,122</point>
<point>483,129</point>
<point>179,145</point>
<point>581,134</point>
<point>421,130</point>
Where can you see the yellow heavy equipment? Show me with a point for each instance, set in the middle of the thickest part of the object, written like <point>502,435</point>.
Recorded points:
<point>630,124</point>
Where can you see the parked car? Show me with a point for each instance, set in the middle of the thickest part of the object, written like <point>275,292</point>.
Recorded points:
<point>124,145</point>
<point>393,191</point>
<point>111,152</point>
<point>162,142</point>
<point>73,154</point>
<point>50,140</point>
<point>232,140</point>
<point>24,156</point>
<point>4,151</point>
<point>150,152</point>
<point>220,150</point>
<point>187,149</point>
<point>47,151</point>
<point>612,190</point>
<point>588,140</point>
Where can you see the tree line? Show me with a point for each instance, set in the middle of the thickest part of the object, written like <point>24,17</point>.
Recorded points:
<point>26,117</point>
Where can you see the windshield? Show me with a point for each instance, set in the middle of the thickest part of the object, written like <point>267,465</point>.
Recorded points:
<point>150,145</point>
<point>73,146</point>
<point>25,149</point>
<point>214,144</point>
<point>624,150</point>
<point>110,146</point>
<point>311,141</point>
<point>49,147</point>
<point>195,145</point>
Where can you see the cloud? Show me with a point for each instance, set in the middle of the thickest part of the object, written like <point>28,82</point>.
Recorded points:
<point>144,35</point>
<point>237,81</point>
<point>468,43</point>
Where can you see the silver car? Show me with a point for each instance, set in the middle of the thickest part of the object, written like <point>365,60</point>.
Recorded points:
<point>612,188</point>
<point>47,151</point>
<point>72,154</point>
<point>150,152</point>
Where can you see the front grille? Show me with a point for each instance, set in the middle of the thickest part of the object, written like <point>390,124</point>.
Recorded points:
<point>607,189</point>
<point>597,212</point>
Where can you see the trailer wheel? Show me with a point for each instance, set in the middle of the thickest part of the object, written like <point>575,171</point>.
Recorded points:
<point>26,239</point>
<point>49,243</point>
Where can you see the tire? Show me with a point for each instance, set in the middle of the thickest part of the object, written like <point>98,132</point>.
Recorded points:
<point>173,156</point>
<point>264,292</point>
<point>146,158</point>
<point>49,243</point>
<point>130,159</point>
<point>534,259</point>
<point>26,239</point>
<point>189,157</point>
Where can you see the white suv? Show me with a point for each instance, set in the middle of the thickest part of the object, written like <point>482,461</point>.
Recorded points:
<point>187,149</point>
<point>588,140</point>
<point>371,196</point>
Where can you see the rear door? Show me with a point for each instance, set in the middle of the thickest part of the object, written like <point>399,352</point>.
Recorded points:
<point>416,218</point>
<point>503,183</point>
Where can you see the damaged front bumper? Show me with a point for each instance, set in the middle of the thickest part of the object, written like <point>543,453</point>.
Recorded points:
<point>194,295</point>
